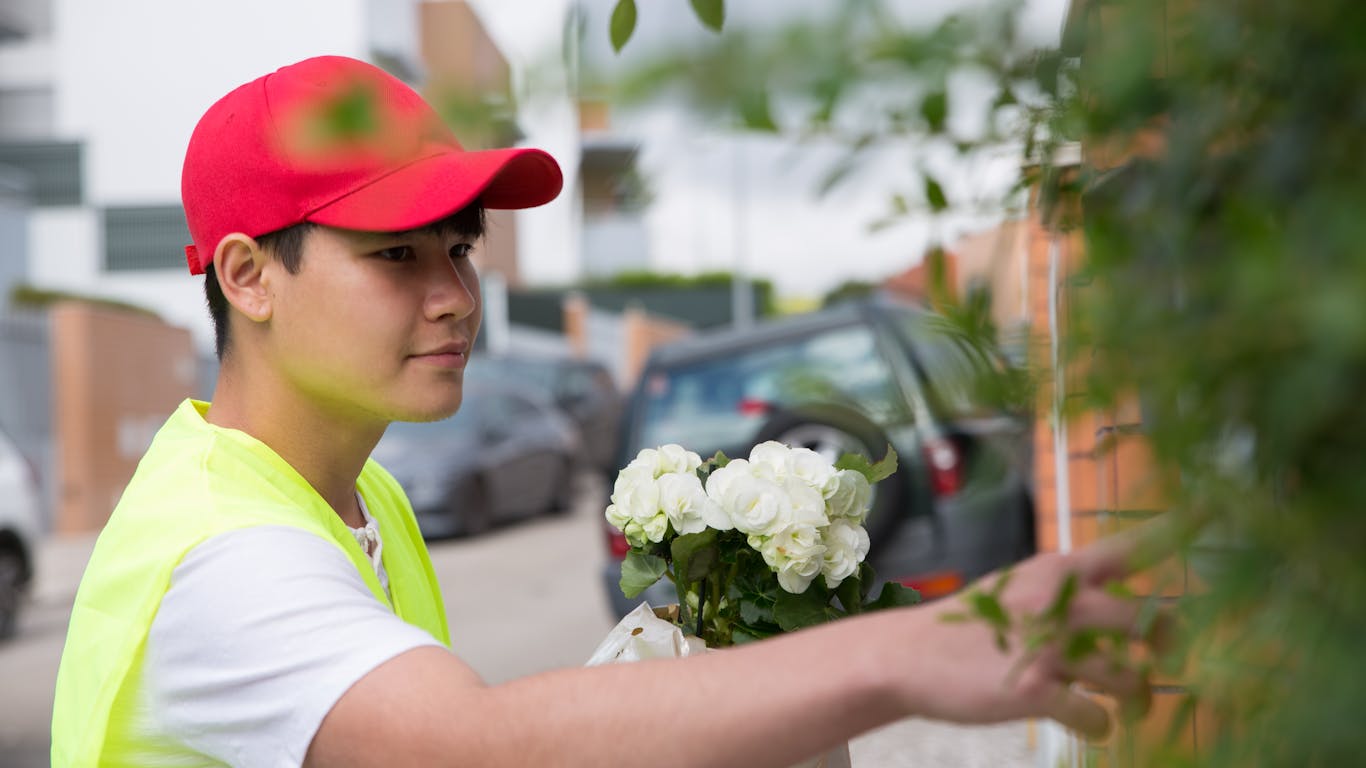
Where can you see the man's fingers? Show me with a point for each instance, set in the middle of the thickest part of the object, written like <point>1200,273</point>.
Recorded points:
<point>1076,711</point>
<point>1135,549</point>
<point>1129,686</point>
<point>1094,609</point>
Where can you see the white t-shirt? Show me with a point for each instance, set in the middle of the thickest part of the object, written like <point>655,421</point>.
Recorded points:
<point>261,632</point>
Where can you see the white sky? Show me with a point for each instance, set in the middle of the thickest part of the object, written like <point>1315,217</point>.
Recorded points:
<point>701,218</point>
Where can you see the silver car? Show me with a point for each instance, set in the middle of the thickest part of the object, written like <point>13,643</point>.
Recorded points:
<point>18,532</point>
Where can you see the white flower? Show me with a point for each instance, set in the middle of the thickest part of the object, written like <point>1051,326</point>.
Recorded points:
<point>807,504</point>
<point>794,553</point>
<point>665,459</point>
<point>687,505</point>
<point>635,494</point>
<point>674,458</point>
<point>635,506</point>
<point>755,506</point>
<point>850,496</point>
<point>846,544</point>
<point>769,460</point>
<point>812,469</point>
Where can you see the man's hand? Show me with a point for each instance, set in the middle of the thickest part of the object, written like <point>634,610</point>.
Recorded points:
<point>964,675</point>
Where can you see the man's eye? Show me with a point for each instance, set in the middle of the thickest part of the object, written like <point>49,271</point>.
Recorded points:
<point>397,253</point>
<point>461,250</point>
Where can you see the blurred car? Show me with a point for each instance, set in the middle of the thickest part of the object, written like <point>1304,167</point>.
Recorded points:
<point>505,455</point>
<point>582,389</point>
<point>854,378</point>
<point>18,531</point>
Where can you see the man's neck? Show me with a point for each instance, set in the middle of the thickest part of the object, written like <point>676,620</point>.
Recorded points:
<point>326,450</point>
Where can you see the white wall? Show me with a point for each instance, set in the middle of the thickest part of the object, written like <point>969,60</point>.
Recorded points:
<point>65,253</point>
<point>133,76</point>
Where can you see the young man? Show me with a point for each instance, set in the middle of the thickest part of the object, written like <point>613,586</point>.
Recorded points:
<point>261,595</point>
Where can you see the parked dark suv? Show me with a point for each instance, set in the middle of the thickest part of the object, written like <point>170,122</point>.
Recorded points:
<point>854,377</point>
<point>581,389</point>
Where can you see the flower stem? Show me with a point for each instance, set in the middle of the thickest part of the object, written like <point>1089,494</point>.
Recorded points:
<point>701,604</point>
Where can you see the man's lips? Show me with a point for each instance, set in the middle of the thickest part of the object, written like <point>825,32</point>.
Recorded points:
<point>450,355</point>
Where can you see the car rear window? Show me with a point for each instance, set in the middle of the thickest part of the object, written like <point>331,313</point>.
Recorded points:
<point>954,368</point>
<point>721,403</point>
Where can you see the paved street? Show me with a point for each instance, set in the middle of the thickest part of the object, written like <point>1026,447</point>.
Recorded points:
<point>521,600</point>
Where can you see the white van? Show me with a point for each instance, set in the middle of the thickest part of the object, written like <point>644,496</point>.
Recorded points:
<point>18,531</point>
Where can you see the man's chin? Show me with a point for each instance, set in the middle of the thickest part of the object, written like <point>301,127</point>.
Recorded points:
<point>436,410</point>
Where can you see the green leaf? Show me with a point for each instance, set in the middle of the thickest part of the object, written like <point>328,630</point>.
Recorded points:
<point>695,555</point>
<point>989,609</point>
<point>741,635</point>
<point>850,594</point>
<point>719,460</point>
<point>935,109</point>
<point>1062,601</point>
<point>623,23</point>
<point>935,194</point>
<point>756,612</point>
<point>874,472</point>
<point>893,595</point>
<point>755,112</point>
<point>1080,645</point>
<point>884,468</point>
<point>793,612</point>
<point>710,12</point>
<point>639,571</point>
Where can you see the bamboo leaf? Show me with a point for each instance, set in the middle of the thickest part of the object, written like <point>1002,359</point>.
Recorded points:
<point>935,194</point>
<point>711,13</point>
<point>623,23</point>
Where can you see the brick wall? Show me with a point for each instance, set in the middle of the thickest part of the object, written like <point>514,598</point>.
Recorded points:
<point>117,375</point>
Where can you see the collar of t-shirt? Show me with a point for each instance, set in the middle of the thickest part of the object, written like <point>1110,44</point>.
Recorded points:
<point>370,543</point>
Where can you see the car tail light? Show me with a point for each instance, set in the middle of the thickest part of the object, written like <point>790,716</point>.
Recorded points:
<point>945,464</point>
<point>933,585</point>
<point>753,406</point>
<point>616,543</point>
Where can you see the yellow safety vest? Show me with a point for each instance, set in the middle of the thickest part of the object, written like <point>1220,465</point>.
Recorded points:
<point>198,480</point>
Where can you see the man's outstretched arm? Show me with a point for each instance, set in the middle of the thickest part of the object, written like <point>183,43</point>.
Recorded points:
<point>764,704</point>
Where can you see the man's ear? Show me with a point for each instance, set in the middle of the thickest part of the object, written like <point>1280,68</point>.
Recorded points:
<point>240,265</point>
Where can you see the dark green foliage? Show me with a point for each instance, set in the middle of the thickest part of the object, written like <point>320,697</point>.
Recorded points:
<point>1225,286</point>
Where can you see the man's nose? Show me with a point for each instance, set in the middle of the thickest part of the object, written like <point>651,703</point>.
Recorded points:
<point>451,291</point>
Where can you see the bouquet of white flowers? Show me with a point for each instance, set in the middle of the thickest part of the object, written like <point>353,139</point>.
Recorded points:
<point>753,546</point>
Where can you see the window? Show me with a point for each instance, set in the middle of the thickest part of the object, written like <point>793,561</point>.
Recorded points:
<point>722,403</point>
<point>151,237</point>
<point>53,169</point>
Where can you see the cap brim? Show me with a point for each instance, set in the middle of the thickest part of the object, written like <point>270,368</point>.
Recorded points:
<point>438,186</point>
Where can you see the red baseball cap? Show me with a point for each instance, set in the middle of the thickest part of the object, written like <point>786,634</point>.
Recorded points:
<point>339,142</point>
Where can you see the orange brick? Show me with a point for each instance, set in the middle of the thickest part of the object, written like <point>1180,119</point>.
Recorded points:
<point>1136,483</point>
<point>1168,733</point>
<point>1085,529</point>
<point>1081,431</point>
<point>1084,484</point>
<point>1166,579</point>
<point>1128,412</point>
<point>1047,535</point>
<point>1045,502</point>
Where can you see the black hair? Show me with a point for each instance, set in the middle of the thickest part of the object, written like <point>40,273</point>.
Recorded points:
<point>287,245</point>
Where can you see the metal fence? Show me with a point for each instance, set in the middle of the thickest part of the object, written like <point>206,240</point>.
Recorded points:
<point>26,395</point>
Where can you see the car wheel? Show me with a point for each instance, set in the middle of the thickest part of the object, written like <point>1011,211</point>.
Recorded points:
<point>565,490</point>
<point>834,436</point>
<point>470,506</point>
<point>11,591</point>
